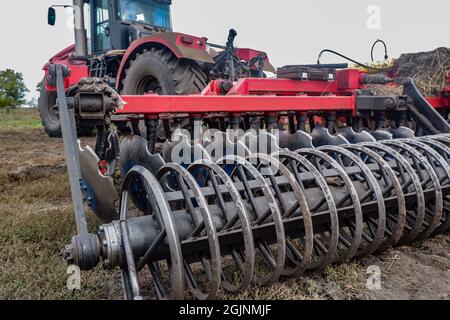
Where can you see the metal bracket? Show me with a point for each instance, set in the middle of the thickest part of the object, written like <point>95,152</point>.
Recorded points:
<point>68,129</point>
<point>84,250</point>
<point>423,112</point>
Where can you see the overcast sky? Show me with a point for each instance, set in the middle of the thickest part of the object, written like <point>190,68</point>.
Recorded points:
<point>290,31</point>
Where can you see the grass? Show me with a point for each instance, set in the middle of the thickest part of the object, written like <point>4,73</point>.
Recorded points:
<point>19,118</point>
<point>36,222</point>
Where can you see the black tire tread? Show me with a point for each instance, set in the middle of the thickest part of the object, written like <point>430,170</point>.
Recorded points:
<point>187,75</point>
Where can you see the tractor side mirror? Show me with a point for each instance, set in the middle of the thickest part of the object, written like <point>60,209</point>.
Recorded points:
<point>51,19</point>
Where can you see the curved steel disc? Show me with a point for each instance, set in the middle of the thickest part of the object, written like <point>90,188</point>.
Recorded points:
<point>296,141</point>
<point>301,260</point>
<point>135,152</point>
<point>223,144</point>
<point>264,142</point>
<point>183,151</point>
<point>444,150</point>
<point>112,153</point>
<point>381,134</point>
<point>355,137</point>
<point>402,133</point>
<point>100,192</point>
<point>322,137</point>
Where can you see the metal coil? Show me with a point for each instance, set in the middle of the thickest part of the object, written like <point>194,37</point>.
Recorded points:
<point>235,221</point>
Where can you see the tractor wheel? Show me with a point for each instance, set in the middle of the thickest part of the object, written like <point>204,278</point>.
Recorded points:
<point>50,117</point>
<point>48,113</point>
<point>159,71</point>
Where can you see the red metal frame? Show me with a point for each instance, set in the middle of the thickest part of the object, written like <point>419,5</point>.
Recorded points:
<point>254,95</point>
<point>246,95</point>
<point>152,105</point>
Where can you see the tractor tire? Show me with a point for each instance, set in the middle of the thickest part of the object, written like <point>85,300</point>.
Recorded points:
<point>159,71</point>
<point>50,118</point>
<point>48,114</point>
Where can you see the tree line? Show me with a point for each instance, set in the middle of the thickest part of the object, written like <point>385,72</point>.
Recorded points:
<point>12,89</point>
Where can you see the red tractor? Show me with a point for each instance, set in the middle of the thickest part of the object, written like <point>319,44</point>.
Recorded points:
<point>132,44</point>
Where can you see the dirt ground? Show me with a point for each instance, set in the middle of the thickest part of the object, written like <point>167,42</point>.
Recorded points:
<point>36,222</point>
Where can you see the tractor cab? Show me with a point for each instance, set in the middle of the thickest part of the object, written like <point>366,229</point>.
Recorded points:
<point>116,23</point>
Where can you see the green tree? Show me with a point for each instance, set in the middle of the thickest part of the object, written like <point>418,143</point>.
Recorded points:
<point>12,89</point>
<point>39,85</point>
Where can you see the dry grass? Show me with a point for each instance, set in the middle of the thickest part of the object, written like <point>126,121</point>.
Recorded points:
<point>344,282</point>
<point>37,221</point>
<point>428,69</point>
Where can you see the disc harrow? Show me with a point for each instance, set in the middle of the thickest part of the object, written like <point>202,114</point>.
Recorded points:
<point>233,221</point>
<point>348,175</point>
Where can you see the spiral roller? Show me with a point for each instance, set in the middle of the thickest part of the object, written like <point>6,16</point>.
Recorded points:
<point>228,222</point>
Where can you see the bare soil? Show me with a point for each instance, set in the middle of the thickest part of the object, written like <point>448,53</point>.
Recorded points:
<point>36,221</point>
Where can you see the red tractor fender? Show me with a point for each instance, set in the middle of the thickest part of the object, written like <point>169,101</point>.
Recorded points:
<point>78,69</point>
<point>183,46</point>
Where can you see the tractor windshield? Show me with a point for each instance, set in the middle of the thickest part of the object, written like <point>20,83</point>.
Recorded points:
<point>152,12</point>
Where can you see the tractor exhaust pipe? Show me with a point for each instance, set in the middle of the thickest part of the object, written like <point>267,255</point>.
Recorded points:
<point>80,29</point>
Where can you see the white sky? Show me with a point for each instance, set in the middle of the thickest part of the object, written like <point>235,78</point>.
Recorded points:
<point>290,31</point>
